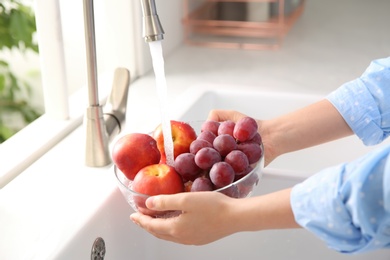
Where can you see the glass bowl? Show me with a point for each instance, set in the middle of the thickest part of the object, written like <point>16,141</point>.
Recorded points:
<point>240,188</point>
<point>135,199</point>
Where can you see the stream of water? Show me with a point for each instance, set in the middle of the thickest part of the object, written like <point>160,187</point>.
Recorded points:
<point>162,92</point>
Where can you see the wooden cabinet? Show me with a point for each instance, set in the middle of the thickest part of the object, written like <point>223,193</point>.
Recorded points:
<point>203,24</point>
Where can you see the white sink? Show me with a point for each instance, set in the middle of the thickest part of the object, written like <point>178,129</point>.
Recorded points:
<point>125,240</point>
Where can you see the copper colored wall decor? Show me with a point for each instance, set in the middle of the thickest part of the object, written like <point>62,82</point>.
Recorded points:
<point>209,25</point>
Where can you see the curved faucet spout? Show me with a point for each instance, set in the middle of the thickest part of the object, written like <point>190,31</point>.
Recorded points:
<point>101,124</point>
<point>152,28</point>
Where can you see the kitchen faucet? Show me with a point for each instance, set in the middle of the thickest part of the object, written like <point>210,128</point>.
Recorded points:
<point>152,29</point>
<point>103,123</point>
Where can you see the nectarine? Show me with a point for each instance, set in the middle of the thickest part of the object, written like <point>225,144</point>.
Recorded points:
<point>134,151</point>
<point>182,136</point>
<point>158,179</point>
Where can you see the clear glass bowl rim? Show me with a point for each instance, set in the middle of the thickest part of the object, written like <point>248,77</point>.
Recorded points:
<point>257,167</point>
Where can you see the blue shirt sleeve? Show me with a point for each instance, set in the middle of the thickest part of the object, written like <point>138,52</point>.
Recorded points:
<point>365,102</point>
<point>348,206</point>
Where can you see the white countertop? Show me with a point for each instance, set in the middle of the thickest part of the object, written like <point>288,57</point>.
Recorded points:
<point>55,197</point>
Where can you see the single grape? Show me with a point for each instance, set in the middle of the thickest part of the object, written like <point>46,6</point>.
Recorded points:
<point>221,174</point>
<point>202,183</point>
<point>210,125</point>
<point>226,127</point>
<point>232,192</point>
<point>250,180</point>
<point>206,157</point>
<point>247,180</point>
<point>243,173</point>
<point>238,160</point>
<point>224,144</point>
<point>198,144</point>
<point>185,165</point>
<point>245,129</point>
<point>252,150</point>
<point>256,139</point>
<point>207,135</point>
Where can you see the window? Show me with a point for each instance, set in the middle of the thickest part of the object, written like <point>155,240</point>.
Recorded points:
<point>61,39</point>
<point>19,103</point>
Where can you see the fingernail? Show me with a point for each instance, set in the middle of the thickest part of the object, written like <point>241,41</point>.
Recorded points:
<point>132,219</point>
<point>150,203</point>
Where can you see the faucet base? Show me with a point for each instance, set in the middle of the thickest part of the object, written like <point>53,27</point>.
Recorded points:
<point>97,143</point>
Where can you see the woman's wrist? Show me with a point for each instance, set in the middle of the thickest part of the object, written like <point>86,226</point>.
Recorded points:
<point>270,211</point>
<point>269,134</point>
<point>307,127</point>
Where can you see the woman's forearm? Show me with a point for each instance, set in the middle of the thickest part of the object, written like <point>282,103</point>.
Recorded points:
<point>270,211</point>
<point>312,125</point>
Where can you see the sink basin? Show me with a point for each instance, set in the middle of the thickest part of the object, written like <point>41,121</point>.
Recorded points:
<point>124,240</point>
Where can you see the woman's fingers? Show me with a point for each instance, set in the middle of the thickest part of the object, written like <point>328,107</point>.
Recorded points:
<point>224,115</point>
<point>198,218</point>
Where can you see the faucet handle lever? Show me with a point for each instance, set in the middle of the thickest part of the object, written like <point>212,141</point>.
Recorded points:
<point>115,107</point>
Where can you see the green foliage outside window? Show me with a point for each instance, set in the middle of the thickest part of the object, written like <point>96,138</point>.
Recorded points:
<point>17,28</point>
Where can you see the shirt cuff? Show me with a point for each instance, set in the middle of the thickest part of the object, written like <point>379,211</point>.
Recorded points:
<point>359,109</point>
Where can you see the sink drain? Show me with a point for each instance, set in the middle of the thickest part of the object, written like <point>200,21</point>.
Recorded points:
<point>98,249</point>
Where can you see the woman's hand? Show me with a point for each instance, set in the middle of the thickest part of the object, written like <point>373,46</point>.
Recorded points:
<point>209,216</point>
<point>206,217</point>
<point>224,115</point>
<point>232,115</point>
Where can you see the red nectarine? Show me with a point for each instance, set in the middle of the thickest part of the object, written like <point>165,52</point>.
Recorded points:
<point>182,136</point>
<point>158,179</point>
<point>134,151</point>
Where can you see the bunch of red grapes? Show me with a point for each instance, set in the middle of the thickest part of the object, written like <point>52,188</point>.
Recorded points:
<point>223,153</point>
